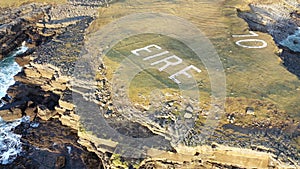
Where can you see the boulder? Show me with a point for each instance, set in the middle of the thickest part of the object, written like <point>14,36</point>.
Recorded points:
<point>9,115</point>
<point>66,105</point>
<point>31,112</point>
<point>44,113</point>
<point>60,162</point>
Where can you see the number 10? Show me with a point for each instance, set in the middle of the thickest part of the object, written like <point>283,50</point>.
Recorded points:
<point>252,34</point>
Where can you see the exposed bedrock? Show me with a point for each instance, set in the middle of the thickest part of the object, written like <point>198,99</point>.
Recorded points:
<point>18,25</point>
<point>36,23</point>
<point>40,87</point>
<point>43,91</point>
<point>49,144</point>
<point>90,2</point>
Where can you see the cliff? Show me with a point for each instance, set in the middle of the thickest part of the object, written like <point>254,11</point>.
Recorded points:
<point>45,89</point>
<point>17,26</point>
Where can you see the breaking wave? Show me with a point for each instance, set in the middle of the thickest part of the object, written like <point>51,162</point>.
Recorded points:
<point>10,143</point>
<point>8,69</point>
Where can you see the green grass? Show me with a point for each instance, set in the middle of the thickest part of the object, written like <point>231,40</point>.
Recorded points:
<point>149,80</point>
<point>15,3</point>
<point>255,77</point>
<point>257,73</point>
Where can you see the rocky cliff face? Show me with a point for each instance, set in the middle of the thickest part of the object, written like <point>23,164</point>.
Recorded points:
<point>49,144</point>
<point>18,25</point>
<point>43,91</point>
<point>36,23</point>
<point>40,88</point>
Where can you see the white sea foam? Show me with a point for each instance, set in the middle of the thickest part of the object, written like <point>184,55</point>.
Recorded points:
<point>34,124</point>
<point>9,68</point>
<point>10,143</point>
<point>292,41</point>
<point>69,149</point>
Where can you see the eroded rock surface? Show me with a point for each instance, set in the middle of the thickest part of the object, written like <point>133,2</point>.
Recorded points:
<point>37,93</point>
<point>91,2</point>
<point>17,25</point>
<point>49,144</point>
<point>44,92</point>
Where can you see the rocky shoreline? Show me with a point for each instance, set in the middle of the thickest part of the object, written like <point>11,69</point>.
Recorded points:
<point>43,91</point>
<point>17,26</point>
<point>51,144</point>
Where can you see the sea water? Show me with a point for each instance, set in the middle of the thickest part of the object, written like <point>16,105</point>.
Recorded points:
<point>292,41</point>
<point>10,143</point>
<point>9,68</point>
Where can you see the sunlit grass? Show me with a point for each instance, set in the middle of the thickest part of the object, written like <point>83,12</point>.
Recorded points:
<point>15,3</point>
<point>150,80</point>
<point>254,74</point>
<point>244,4</point>
<point>257,73</point>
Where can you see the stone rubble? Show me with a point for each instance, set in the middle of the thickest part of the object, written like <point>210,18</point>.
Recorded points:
<point>45,89</point>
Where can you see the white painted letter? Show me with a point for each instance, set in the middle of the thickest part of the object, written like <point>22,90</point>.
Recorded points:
<point>263,45</point>
<point>135,52</point>
<point>166,60</point>
<point>153,56</point>
<point>184,72</point>
<point>243,36</point>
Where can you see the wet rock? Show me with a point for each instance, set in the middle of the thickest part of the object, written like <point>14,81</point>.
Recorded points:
<point>46,147</point>
<point>18,91</point>
<point>22,61</point>
<point>291,61</point>
<point>5,100</point>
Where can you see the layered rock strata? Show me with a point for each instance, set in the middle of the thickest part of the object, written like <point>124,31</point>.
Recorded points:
<point>17,26</point>
<point>45,92</point>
